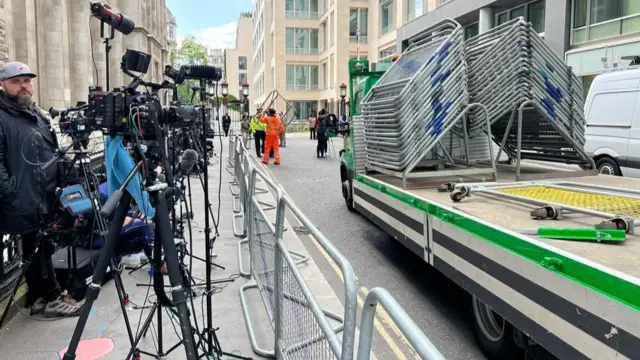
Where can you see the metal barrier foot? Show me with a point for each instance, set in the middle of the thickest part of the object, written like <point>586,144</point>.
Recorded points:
<point>237,209</point>
<point>234,193</point>
<point>236,231</point>
<point>240,263</point>
<point>271,354</point>
<point>252,336</point>
<point>301,258</point>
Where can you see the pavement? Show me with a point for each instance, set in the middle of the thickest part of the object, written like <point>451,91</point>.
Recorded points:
<point>437,305</point>
<point>37,338</point>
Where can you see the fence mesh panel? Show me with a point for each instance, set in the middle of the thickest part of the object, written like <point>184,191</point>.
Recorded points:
<point>302,337</point>
<point>263,265</point>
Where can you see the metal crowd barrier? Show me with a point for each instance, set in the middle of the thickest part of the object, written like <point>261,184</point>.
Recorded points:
<point>505,83</point>
<point>420,101</point>
<point>302,329</point>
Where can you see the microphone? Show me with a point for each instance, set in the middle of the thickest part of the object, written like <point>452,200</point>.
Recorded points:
<point>187,161</point>
<point>118,21</point>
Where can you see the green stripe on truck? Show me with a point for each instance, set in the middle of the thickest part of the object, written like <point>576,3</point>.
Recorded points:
<point>607,284</point>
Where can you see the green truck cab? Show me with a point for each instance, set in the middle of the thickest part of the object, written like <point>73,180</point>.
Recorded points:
<point>361,81</point>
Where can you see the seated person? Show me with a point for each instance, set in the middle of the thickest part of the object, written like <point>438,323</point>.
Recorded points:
<point>136,234</point>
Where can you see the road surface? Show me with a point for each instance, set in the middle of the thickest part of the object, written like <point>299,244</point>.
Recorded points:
<point>436,304</point>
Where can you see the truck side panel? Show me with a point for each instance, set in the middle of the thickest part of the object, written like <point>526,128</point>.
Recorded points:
<point>567,318</point>
<point>405,224</point>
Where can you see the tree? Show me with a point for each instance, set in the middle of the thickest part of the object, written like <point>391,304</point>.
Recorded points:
<point>190,52</point>
<point>231,100</point>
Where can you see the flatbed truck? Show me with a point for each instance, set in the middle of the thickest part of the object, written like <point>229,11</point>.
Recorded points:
<point>575,299</point>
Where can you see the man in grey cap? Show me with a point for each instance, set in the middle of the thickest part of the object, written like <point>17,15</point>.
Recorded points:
<point>27,192</point>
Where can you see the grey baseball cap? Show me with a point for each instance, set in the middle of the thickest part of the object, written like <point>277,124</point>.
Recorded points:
<point>13,69</point>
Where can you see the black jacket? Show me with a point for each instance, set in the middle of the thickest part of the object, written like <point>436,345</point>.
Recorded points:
<point>321,130</point>
<point>26,191</point>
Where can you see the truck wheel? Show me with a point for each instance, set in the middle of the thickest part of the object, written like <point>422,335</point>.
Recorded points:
<point>493,333</point>
<point>608,166</point>
<point>347,194</point>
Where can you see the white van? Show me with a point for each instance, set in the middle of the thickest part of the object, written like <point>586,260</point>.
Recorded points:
<point>612,109</point>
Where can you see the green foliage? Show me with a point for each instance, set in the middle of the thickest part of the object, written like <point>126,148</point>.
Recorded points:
<point>231,100</point>
<point>190,52</point>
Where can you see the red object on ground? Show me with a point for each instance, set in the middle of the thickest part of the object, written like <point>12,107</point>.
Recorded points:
<point>91,349</point>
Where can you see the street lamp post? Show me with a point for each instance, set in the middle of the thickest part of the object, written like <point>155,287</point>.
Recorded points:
<point>343,95</point>
<point>245,93</point>
<point>225,93</point>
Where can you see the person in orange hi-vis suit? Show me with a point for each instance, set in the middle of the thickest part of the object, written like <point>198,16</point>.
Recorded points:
<point>274,129</point>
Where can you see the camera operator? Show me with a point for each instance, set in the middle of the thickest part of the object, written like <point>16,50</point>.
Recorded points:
<point>27,193</point>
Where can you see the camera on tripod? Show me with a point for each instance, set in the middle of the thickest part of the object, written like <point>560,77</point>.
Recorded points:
<point>183,116</point>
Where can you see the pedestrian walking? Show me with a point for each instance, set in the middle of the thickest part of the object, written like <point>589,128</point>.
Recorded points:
<point>313,123</point>
<point>258,129</point>
<point>275,128</point>
<point>322,134</point>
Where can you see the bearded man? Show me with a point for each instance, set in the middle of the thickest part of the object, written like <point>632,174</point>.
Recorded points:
<point>27,192</point>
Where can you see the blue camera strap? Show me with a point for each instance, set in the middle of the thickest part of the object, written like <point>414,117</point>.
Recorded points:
<point>119,164</point>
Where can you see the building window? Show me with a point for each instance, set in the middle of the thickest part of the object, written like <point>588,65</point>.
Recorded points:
<point>323,36</point>
<point>242,63</point>
<point>387,16</point>
<point>355,57</point>
<point>332,25</point>
<point>471,30</point>
<point>599,19</point>
<point>332,82</point>
<point>301,41</point>
<point>362,15</point>
<point>242,78</point>
<point>302,77</point>
<point>304,109</point>
<point>532,12</point>
<point>301,9</point>
<point>386,54</point>
<point>414,9</point>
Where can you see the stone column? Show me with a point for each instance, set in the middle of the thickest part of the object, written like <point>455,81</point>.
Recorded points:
<point>4,44</point>
<point>79,50</point>
<point>486,19</point>
<point>131,8</point>
<point>98,70</point>
<point>51,64</point>
<point>117,50</point>
<point>25,37</point>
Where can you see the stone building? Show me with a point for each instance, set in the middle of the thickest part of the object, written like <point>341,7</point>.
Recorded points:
<point>61,42</point>
<point>239,68</point>
<point>172,30</point>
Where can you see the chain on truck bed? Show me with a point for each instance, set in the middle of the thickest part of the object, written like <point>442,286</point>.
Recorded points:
<point>607,203</point>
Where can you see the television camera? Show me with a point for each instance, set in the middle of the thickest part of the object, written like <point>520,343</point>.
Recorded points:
<point>127,115</point>
<point>131,113</point>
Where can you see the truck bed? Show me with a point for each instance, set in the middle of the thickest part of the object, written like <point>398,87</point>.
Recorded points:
<point>515,216</point>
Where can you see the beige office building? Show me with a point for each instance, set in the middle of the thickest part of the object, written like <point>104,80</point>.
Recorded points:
<point>239,68</point>
<point>302,47</point>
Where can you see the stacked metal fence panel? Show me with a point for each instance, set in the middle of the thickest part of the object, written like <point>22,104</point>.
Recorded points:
<point>511,65</point>
<point>360,152</point>
<point>508,69</point>
<point>417,99</point>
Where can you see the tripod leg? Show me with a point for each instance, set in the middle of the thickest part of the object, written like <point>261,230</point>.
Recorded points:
<point>98,274</point>
<point>171,258</point>
<point>122,295</point>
